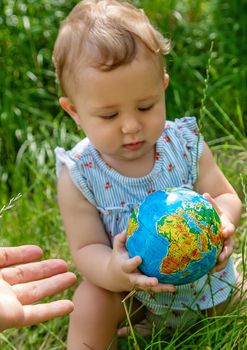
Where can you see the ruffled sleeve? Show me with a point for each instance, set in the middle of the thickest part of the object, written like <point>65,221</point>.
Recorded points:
<point>192,141</point>
<point>74,161</point>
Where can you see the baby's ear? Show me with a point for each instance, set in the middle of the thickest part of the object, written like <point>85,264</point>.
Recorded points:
<point>166,80</point>
<point>69,107</point>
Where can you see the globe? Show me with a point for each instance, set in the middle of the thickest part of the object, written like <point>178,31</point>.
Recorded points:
<point>176,232</point>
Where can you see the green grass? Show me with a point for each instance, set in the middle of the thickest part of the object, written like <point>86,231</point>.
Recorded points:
<point>217,333</point>
<point>32,124</point>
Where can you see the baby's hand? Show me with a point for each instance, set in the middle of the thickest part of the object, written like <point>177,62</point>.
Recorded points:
<point>126,270</point>
<point>227,231</point>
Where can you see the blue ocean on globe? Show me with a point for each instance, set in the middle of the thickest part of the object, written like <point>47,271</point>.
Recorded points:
<point>176,232</point>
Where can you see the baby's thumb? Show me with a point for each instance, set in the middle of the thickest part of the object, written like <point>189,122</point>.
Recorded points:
<point>119,240</point>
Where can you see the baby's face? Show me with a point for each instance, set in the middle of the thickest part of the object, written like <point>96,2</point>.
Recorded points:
<point>122,111</point>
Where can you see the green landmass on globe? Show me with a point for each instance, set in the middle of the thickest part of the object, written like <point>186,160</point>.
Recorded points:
<point>177,234</point>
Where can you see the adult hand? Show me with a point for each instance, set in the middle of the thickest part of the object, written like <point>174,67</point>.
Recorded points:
<point>27,282</point>
<point>227,232</point>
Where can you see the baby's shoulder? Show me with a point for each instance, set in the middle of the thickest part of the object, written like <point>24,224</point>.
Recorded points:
<point>181,124</point>
<point>181,130</point>
<point>81,149</point>
<point>73,158</point>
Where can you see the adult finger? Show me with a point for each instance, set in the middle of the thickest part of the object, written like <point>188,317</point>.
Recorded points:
<point>33,271</point>
<point>34,314</point>
<point>31,292</point>
<point>18,255</point>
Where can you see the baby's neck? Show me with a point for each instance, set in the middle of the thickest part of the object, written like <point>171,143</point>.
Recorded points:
<point>133,168</point>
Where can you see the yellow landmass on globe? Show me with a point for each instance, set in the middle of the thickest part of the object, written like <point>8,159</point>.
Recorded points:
<point>186,246</point>
<point>208,238</point>
<point>133,224</point>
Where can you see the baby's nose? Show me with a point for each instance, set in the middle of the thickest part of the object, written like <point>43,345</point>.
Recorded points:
<point>131,126</point>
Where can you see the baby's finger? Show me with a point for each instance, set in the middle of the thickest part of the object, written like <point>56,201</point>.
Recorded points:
<point>224,255</point>
<point>140,281</point>
<point>151,284</point>
<point>131,264</point>
<point>119,241</point>
<point>227,249</point>
<point>164,288</point>
<point>228,230</point>
<point>213,202</point>
<point>219,266</point>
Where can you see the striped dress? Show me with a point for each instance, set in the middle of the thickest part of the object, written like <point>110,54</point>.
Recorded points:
<point>114,195</point>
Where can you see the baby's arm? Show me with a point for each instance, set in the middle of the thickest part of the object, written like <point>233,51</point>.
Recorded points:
<point>106,267</point>
<point>212,181</point>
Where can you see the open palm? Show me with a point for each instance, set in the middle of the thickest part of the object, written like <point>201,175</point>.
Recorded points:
<point>23,281</point>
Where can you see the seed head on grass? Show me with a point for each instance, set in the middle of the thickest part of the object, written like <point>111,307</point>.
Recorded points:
<point>10,204</point>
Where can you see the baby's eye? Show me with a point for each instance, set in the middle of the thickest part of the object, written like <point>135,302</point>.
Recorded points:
<point>108,116</point>
<point>146,108</point>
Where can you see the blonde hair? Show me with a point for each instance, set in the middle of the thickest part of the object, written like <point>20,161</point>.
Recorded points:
<point>105,34</point>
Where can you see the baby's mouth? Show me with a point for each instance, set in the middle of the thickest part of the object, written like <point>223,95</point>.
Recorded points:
<point>134,146</point>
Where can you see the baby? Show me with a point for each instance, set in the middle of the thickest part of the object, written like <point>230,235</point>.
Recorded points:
<point>109,61</point>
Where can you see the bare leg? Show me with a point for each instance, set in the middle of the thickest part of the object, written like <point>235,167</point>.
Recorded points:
<point>94,321</point>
